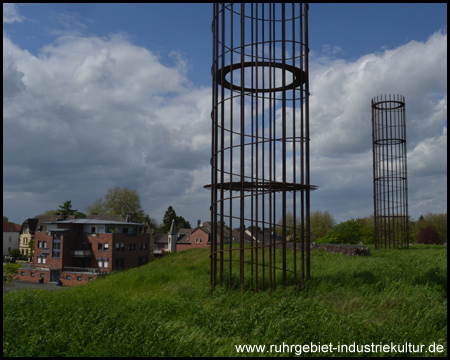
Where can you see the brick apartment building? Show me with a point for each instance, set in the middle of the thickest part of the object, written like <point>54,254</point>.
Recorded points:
<point>76,251</point>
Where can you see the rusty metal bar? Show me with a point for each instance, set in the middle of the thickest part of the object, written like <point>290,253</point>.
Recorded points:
<point>390,182</point>
<point>260,145</point>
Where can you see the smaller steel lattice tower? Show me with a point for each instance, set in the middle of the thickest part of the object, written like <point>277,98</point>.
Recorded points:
<point>390,186</point>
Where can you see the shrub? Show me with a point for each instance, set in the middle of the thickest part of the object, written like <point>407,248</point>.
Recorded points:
<point>347,232</point>
<point>428,235</point>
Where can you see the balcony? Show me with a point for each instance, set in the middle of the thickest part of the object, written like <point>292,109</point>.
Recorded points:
<point>45,251</point>
<point>83,270</point>
<point>80,253</point>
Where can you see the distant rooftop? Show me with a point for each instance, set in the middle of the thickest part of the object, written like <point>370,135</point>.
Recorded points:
<point>92,221</point>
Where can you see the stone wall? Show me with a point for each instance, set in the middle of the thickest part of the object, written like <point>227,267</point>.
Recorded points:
<point>350,250</point>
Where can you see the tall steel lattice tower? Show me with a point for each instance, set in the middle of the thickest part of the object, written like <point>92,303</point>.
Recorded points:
<point>390,182</point>
<point>260,146</point>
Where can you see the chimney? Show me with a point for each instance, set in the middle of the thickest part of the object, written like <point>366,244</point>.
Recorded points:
<point>199,222</point>
<point>128,217</point>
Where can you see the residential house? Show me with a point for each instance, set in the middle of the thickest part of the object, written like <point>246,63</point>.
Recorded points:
<point>184,239</point>
<point>30,226</point>
<point>10,237</point>
<point>75,251</point>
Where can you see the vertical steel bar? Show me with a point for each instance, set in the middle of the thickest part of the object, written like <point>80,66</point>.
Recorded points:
<point>389,172</point>
<point>307,164</point>
<point>260,124</point>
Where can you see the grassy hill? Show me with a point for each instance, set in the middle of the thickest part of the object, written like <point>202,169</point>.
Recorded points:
<point>165,308</point>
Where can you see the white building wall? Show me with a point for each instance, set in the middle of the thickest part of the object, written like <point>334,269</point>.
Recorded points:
<point>10,241</point>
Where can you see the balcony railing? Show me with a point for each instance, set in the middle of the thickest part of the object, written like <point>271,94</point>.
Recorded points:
<point>80,253</point>
<point>45,251</point>
<point>84,270</point>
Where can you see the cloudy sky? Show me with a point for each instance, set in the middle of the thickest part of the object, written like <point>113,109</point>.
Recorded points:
<point>99,95</point>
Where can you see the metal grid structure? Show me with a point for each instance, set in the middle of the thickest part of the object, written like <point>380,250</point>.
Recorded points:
<point>260,146</point>
<point>390,184</point>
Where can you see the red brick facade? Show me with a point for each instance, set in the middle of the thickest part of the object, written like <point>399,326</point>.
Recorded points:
<point>73,257</point>
<point>197,239</point>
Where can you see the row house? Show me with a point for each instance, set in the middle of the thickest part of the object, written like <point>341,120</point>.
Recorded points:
<point>75,251</point>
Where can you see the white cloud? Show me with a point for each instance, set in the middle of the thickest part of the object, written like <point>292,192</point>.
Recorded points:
<point>93,112</point>
<point>340,120</point>
<point>11,14</point>
<point>88,113</point>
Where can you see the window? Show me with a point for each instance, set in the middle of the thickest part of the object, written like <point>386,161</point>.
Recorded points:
<point>42,275</point>
<point>100,247</point>
<point>105,263</point>
<point>32,274</point>
<point>39,244</point>
<point>44,259</point>
<point>100,263</point>
<point>79,278</point>
<point>90,278</point>
<point>122,246</point>
<point>106,247</point>
<point>196,240</point>
<point>56,248</point>
<point>93,229</point>
<point>39,259</point>
<point>201,241</point>
<point>68,277</point>
<point>145,246</point>
<point>44,244</point>
<point>117,246</point>
<point>22,273</point>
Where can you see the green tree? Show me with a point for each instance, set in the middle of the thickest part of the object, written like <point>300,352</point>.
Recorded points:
<point>170,215</point>
<point>9,275</point>
<point>439,222</point>
<point>66,208</point>
<point>31,247</point>
<point>289,226</point>
<point>97,207</point>
<point>320,224</point>
<point>15,253</point>
<point>150,224</point>
<point>119,201</point>
<point>346,232</point>
<point>367,229</point>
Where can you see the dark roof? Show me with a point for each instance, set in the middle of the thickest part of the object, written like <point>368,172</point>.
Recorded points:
<point>31,223</point>
<point>161,238</point>
<point>41,219</point>
<point>9,227</point>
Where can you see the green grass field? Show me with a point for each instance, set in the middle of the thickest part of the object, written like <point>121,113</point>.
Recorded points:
<point>165,308</point>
